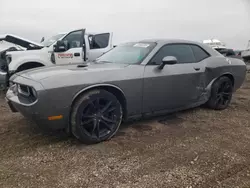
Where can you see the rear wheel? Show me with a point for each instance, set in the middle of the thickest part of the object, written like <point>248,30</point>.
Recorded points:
<point>96,116</point>
<point>221,94</point>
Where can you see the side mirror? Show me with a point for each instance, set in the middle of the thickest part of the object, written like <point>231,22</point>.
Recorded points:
<point>60,46</point>
<point>168,60</point>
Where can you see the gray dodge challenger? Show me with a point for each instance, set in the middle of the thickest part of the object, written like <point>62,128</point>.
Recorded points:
<point>133,80</point>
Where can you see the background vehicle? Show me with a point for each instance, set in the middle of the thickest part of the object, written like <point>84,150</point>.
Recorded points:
<point>221,48</point>
<point>230,53</point>
<point>214,43</point>
<point>238,52</point>
<point>64,48</point>
<point>246,53</point>
<point>132,80</point>
<point>4,66</point>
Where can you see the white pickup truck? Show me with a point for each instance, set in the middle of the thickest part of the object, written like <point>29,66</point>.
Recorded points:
<point>246,54</point>
<point>64,48</point>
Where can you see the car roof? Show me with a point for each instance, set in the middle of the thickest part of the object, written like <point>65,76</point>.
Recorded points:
<point>162,42</point>
<point>166,41</point>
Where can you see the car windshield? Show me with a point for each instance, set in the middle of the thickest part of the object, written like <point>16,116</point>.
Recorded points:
<point>129,53</point>
<point>52,39</point>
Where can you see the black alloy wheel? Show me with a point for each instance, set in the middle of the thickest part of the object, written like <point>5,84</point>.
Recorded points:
<point>221,94</point>
<point>224,94</point>
<point>96,116</point>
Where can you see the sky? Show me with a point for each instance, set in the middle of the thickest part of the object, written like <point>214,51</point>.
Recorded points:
<point>226,20</point>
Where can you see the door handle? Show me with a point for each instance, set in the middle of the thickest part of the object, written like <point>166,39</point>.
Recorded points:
<point>76,54</point>
<point>197,69</point>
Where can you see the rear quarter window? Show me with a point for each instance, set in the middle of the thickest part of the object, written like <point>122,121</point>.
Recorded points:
<point>199,53</point>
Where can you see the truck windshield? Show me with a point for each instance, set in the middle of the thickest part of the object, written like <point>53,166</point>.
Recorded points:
<point>52,39</point>
<point>129,53</point>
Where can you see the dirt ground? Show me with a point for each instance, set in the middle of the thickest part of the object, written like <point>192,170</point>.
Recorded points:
<point>195,148</point>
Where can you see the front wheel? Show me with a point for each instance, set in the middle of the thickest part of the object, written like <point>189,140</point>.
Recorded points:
<point>221,94</point>
<point>96,116</point>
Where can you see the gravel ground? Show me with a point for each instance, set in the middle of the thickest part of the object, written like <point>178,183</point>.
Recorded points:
<point>195,148</point>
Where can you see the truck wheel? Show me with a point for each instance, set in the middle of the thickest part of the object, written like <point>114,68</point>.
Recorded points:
<point>221,94</point>
<point>96,116</point>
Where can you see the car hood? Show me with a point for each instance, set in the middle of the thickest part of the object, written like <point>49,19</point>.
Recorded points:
<point>68,70</point>
<point>28,52</point>
<point>25,43</point>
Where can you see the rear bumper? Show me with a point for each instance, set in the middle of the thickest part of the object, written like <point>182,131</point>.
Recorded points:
<point>32,113</point>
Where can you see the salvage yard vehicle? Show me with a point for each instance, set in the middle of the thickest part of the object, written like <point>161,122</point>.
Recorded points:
<point>75,46</point>
<point>221,47</point>
<point>215,44</point>
<point>230,53</point>
<point>132,80</point>
<point>3,65</point>
<point>246,53</point>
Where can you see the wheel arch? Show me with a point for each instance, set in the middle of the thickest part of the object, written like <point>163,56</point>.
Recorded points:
<point>227,74</point>
<point>230,76</point>
<point>32,64</point>
<point>108,87</point>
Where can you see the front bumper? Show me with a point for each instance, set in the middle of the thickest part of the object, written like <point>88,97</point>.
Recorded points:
<point>32,112</point>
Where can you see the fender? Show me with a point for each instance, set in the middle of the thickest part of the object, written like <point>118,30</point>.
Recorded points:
<point>92,87</point>
<point>18,58</point>
<point>209,86</point>
<point>96,86</point>
<point>13,66</point>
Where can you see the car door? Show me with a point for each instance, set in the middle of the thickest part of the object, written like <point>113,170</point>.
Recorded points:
<point>74,53</point>
<point>175,86</point>
<point>99,44</point>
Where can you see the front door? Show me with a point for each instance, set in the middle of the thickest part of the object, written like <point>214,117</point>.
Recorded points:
<point>74,53</point>
<point>175,86</point>
<point>99,44</point>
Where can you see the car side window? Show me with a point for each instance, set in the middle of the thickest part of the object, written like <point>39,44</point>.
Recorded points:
<point>99,41</point>
<point>73,40</point>
<point>199,53</point>
<point>182,52</point>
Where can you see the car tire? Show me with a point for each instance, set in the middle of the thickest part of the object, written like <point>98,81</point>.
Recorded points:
<point>96,116</point>
<point>221,94</point>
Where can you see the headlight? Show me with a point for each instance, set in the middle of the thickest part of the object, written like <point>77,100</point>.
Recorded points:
<point>26,91</point>
<point>13,87</point>
<point>23,90</point>
<point>33,92</point>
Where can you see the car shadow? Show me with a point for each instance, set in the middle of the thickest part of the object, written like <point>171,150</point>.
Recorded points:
<point>29,131</point>
<point>172,120</point>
